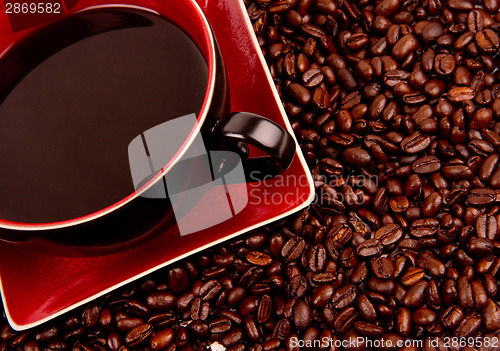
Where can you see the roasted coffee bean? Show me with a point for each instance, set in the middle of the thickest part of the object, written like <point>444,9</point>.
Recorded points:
<point>394,77</point>
<point>357,41</point>
<point>433,294</point>
<point>209,290</point>
<point>7,333</point>
<point>343,297</point>
<point>259,258</point>
<point>265,308</point>
<point>412,276</point>
<point>299,94</point>
<point>232,337</point>
<point>368,329</point>
<point>382,286</point>
<point>351,100</point>
<point>431,32</point>
<point>491,315</point>
<point>366,309</point>
<point>317,258</point>
<point>475,21</point>
<point>481,197</point>
<point>403,322</point>
<point>487,226</point>
<point>41,336</point>
<point>235,295</point>
<point>399,204</point>
<point>389,234</point>
<point>465,298</point>
<point>404,46</point>
<point>341,139</point>
<point>487,40</point>
<point>479,295</point>
<point>161,320</point>
<point>494,180</point>
<point>461,94</point>
<point>282,329</point>
<point>382,267</point>
<point>469,325</point>
<point>90,315</point>
<point>348,258</point>
<point>161,300</point>
<point>313,30</point>
<point>424,316</point>
<point>278,7</point>
<point>139,334</point>
<point>435,88</point>
<point>322,295</point>
<point>252,329</point>
<point>490,286</point>
<point>386,8</point>
<point>481,147</point>
<point>422,228</point>
<point>128,323</point>
<point>488,166</point>
<point>380,200</point>
<point>444,64</point>
<point>457,172</point>
<point>415,143</point>
<point>431,264</point>
<point>356,157</point>
<point>321,99</point>
<point>290,64</point>
<point>233,316</point>
<point>338,236</point>
<point>297,287</point>
<point>345,319</point>
<point>426,164</point>
<point>346,79</point>
<point>178,280</point>
<point>414,98</point>
<point>249,305</point>
<point>302,315</point>
<point>432,204</point>
<point>199,309</point>
<point>293,248</point>
<point>370,247</point>
<point>162,339</point>
<point>113,341</point>
<point>452,316</point>
<point>480,246</point>
<point>312,77</point>
<point>415,295</point>
<point>359,273</point>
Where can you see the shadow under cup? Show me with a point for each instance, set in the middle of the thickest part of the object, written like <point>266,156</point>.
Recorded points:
<point>74,94</point>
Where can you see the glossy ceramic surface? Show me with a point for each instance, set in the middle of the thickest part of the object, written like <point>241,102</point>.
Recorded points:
<point>38,287</point>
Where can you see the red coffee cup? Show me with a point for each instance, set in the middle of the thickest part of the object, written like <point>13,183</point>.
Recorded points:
<point>119,224</point>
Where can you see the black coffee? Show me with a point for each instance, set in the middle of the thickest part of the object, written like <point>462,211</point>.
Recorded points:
<point>75,95</point>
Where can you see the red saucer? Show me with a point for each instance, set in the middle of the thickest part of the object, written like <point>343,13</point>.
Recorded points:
<point>38,287</point>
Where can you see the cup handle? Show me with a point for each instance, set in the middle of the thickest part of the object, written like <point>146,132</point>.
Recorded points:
<point>260,132</point>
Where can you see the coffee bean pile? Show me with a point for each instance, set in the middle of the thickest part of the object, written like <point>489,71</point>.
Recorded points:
<point>396,107</point>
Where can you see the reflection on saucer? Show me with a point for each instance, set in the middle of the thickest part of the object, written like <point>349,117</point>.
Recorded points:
<point>198,177</point>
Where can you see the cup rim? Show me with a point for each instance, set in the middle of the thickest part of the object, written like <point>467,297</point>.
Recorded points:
<point>210,57</point>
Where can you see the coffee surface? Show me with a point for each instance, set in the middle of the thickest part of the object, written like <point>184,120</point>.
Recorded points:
<point>66,126</point>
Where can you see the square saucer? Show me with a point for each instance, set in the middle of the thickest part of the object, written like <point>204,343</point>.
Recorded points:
<point>37,287</point>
